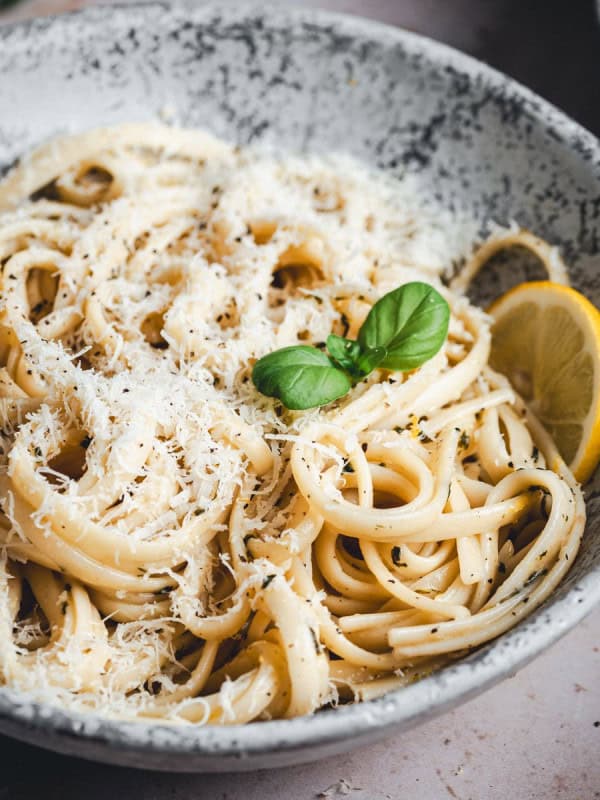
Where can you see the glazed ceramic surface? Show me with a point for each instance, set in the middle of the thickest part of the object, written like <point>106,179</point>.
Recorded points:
<point>311,81</point>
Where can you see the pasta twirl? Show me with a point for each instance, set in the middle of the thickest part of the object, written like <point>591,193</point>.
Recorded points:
<point>176,545</point>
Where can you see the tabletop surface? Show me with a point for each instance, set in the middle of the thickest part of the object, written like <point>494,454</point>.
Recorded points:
<point>536,735</point>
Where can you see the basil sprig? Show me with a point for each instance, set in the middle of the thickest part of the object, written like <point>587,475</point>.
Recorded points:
<point>405,328</point>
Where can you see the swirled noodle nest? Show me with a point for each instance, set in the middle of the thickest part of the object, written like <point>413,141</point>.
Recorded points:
<point>176,545</point>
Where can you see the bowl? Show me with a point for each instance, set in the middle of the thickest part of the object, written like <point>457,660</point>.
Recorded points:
<point>313,81</point>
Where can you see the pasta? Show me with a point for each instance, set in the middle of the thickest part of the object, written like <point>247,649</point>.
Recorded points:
<point>177,546</point>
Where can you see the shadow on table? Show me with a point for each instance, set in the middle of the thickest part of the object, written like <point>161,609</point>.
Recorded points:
<point>28,772</point>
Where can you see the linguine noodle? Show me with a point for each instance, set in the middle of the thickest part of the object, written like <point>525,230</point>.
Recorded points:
<point>174,544</point>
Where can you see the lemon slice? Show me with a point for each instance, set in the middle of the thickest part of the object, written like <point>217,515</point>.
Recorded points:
<point>546,340</point>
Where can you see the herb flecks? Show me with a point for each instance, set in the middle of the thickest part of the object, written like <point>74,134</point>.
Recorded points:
<point>267,581</point>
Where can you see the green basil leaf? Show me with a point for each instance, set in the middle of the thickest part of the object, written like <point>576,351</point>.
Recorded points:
<point>370,360</point>
<point>349,355</point>
<point>300,376</point>
<point>344,352</point>
<point>411,323</point>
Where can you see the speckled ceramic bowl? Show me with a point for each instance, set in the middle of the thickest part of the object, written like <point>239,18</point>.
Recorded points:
<point>313,81</point>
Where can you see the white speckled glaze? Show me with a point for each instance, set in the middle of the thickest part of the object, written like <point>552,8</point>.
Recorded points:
<point>313,81</point>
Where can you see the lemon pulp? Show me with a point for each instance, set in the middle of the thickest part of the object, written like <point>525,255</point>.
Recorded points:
<point>546,340</point>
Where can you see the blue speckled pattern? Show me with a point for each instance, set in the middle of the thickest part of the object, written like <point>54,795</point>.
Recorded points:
<point>310,81</point>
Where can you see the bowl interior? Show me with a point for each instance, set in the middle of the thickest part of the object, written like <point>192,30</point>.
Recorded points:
<point>309,81</point>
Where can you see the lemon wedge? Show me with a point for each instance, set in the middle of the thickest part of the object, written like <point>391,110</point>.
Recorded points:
<point>546,340</point>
